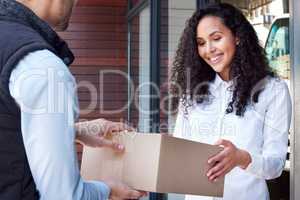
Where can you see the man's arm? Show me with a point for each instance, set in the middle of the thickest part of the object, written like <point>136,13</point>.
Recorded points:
<point>44,89</point>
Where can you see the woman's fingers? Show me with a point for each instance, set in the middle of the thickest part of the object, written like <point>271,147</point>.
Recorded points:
<point>218,167</point>
<point>227,159</point>
<point>220,173</point>
<point>218,157</point>
<point>224,153</point>
<point>224,161</point>
<point>223,143</point>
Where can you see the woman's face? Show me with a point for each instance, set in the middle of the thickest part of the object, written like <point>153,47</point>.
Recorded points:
<point>216,45</point>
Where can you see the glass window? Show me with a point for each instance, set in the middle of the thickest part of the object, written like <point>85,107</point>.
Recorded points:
<point>140,71</point>
<point>174,14</point>
<point>278,49</point>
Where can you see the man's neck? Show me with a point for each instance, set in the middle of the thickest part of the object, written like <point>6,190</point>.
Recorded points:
<point>39,8</point>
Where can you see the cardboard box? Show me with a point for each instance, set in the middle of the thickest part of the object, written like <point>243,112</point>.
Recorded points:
<point>155,163</point>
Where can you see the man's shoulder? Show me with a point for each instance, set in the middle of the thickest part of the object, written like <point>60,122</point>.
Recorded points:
<point>43,62</point>
<point>18,38</point>
<point>42,59</point>
<point>12,29</point>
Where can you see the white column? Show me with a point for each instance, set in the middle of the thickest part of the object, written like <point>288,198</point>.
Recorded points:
<point>295,68</point>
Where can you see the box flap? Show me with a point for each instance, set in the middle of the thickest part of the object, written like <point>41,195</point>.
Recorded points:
<point>137,166</point>
<point>141,163</point>
<point>183,167</point>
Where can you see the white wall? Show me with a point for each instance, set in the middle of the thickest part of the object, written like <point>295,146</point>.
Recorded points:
<point>144,70</point>
<point>179,12</point>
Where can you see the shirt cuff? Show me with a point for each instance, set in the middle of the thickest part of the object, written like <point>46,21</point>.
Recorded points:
<point>103,189</point>
<point>256,165</point>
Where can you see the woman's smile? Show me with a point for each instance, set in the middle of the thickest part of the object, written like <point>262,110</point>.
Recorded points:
<point>213,60</point>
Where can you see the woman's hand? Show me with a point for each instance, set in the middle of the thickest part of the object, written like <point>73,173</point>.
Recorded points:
<point>93,133</point>
<point>226,160</point>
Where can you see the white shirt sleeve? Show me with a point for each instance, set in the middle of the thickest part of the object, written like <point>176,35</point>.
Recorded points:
<point>44,89</point>
<point>269,163</point>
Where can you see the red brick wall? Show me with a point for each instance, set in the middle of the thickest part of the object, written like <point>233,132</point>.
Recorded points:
<point>97,36</point>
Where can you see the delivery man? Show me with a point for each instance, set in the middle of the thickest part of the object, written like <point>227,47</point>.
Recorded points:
<point>38,109</point>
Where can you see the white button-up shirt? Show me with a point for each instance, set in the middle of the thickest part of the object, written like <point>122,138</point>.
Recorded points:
<point>262,131</point>
<point>43,87</point>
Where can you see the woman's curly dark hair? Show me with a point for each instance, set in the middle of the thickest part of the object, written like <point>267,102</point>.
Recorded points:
<point>248,68</point>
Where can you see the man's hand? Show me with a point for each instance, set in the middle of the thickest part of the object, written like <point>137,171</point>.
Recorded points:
<point>100,127</point>
<point>120,191</point>
<point>93,133</point>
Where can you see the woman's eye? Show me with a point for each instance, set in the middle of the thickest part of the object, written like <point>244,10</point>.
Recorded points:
<point>201,43</point>
<point>217,38</point>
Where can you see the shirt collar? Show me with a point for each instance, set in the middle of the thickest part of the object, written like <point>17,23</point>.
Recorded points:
<point>220,82</point>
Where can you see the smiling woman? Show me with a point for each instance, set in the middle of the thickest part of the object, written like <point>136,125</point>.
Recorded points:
<point>216,45</point>
<point>243,58</point>
<point>227,95</point>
